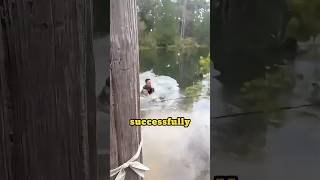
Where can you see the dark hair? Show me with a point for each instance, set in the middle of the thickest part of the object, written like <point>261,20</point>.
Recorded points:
<point>147,80</point>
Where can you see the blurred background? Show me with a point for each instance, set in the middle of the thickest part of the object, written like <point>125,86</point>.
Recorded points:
<point>265,120</point>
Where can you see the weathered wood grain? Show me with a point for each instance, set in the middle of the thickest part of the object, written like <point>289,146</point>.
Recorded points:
<point>124,73</point>
<point>50,77</point>
<point>5,153</point>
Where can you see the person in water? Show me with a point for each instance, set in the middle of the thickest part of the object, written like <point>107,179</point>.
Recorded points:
<point>147,88</point>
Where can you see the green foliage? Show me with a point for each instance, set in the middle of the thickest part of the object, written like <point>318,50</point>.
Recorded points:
<point>146,13</point>
<point>184,45</point>
<point>193,92</point>
<point>161,22</point>
<point>304,23</point>
<point>202,29</point>
<point>204,64</point>
<point>146,39</point>
<point>166,27</point>
<point>263,94</point>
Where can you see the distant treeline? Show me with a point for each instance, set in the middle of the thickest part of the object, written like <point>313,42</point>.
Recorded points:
<point>164,23</point>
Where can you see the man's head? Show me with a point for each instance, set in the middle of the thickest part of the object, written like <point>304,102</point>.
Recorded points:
<point>148,82</point>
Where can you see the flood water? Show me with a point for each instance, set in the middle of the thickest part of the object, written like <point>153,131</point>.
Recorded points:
<point>175,153</point>
<point>272,145</point>
<point>282,145</point>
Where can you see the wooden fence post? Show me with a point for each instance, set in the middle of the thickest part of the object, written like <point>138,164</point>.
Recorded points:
<point>5,164</point>
<point>124,73</point>
<point>49,74</point>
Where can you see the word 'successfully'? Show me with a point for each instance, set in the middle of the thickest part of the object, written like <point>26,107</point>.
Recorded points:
<point>180,121</point>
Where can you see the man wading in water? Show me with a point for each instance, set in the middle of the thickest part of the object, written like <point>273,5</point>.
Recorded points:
<point>147,89</point>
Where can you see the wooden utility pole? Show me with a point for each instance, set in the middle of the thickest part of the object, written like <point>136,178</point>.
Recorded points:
<point>124,73</point>
<point>5,164</point>
<point>47,91</point>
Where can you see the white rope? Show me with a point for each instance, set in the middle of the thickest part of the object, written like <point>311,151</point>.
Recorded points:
<point>136,166</point>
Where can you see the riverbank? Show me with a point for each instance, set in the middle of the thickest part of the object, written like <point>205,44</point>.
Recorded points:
<point>170,47</point>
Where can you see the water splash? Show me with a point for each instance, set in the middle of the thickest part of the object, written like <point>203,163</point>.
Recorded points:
<point>165,87</point>
<point>175,153</point>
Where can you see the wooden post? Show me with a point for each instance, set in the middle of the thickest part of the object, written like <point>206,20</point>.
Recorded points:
<point>124,73</point>
<point>50,78</point>
<point>5,164</point>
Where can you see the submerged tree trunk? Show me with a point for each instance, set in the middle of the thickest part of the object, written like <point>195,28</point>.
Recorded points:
<point>47,65</point>
<point>124,73</point>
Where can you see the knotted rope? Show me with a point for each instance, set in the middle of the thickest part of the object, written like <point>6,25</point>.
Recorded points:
<point>136,166</point>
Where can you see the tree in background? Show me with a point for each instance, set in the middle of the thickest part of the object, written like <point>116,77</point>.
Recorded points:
<point>167,22</point>
<point>202,29</point>
<point>146,12</point>
<point>305,18</point>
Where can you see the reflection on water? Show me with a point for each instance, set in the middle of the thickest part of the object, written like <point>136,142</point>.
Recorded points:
<point>274,145</point>
<point>182,68</point>
<point>175,153</point>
